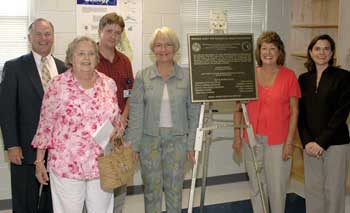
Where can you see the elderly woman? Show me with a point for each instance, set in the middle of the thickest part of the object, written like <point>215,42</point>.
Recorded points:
<point>75,104</point>
<point>274,120</point>
<point>162,123</point>
<point>324,107</point>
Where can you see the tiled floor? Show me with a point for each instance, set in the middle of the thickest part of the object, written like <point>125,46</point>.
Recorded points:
<point>214,194</point>
<point>218,194</point>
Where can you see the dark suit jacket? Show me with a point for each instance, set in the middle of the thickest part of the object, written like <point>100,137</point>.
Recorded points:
<point>21,96</point>
<point>323,111</point>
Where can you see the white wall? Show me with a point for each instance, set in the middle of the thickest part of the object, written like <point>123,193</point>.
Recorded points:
<point>156,13</point>
<point>278,18</point>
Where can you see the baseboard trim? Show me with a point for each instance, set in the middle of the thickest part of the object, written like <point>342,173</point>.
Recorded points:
<point>214,180</point>
<point>138,189</point>
<point>5,204</point>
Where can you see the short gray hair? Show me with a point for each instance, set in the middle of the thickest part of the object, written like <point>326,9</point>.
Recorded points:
<point>73,45</point>
<point>30,28</point>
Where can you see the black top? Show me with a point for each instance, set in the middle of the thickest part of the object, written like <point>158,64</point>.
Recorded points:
<point>323,111</point>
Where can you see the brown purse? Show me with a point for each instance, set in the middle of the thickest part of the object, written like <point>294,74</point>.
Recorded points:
<point>117,167</point>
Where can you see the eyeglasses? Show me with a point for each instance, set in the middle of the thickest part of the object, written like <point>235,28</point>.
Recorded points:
<point>165,46</point>
<point>83,54</point>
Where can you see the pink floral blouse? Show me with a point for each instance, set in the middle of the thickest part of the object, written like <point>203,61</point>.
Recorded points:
<point>69,116</point>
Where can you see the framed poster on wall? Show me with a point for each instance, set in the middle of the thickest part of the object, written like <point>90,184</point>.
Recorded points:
<point>89,13</point>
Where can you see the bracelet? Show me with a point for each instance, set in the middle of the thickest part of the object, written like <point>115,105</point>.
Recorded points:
<point>36,162</point>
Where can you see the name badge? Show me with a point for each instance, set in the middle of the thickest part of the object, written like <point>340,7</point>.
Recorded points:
<point>126,93</point>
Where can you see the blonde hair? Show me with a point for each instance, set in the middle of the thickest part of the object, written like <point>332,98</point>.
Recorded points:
<point>168,33</point>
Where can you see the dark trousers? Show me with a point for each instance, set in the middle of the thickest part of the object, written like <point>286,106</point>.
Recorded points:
<point>25,191</point>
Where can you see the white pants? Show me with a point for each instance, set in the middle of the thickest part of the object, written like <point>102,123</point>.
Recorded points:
<point>325,180</point>
<point>273,172</point>
<point>68,196</point>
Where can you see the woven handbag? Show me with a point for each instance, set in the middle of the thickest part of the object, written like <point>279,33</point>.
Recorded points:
<point>116,168</point>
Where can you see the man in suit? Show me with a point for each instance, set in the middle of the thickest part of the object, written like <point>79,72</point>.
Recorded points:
<point>21,94</point>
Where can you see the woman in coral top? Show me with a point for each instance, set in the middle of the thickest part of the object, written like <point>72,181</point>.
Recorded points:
<point>274,118</point>
<point>75,104</point>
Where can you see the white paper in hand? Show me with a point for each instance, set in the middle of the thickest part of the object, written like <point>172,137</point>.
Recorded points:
<point>103,134</point>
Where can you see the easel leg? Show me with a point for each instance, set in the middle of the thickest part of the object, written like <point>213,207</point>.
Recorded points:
<point>258,178</point>
<point>193,182</point>
<point>197,148</point>
<point>205,172</point>
<point>208,139</point>
<point>252,144</point>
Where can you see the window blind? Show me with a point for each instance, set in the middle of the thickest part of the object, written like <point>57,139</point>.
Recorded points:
<point>243,16</point>
<point>13,27</point>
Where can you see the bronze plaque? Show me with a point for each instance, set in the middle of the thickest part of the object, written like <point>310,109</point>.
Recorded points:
<point>222,67</point>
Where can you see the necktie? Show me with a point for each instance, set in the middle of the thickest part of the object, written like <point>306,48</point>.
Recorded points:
<point>45,73</point>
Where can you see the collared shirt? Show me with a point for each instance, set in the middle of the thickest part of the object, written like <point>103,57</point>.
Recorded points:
<point>270,113</point>
<point>69,116</point>
<point>121,72</point>
<point>51,64</point>
<point>145,105</point>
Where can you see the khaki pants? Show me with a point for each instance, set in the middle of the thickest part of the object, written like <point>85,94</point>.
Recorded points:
<point>325,181</point>
<point>274,174</point>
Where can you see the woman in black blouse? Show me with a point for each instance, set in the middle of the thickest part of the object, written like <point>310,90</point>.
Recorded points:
<point>323,110</point>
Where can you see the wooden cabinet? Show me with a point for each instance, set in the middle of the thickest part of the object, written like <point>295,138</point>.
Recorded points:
<point>297,161</point>
<point>308,19</point>
<point>343,45</point>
